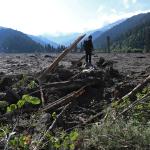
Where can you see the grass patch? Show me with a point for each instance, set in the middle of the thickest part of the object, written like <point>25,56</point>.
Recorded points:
<point>120,135</point>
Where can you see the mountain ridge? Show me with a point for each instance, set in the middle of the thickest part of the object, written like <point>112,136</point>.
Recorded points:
<point>117,31</point>
<point>43,40</point>
<point>16,41</point>
<point>68,39</point>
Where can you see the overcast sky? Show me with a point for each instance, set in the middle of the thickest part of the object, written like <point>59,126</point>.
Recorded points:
<point>66,16</point>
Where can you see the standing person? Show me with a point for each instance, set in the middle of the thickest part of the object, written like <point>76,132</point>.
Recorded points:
<point>88,47</point>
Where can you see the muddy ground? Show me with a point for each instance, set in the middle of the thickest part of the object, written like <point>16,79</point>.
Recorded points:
<point>129,64</point>
<point>117,70</point>
<point>88,91</point>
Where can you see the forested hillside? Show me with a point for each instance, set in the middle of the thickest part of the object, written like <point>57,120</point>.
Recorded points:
<point>132,34</point>
<point>16,41</point>
<point>136,40</point>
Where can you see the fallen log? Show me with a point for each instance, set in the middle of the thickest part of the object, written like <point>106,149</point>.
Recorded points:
<point>50,85</point>
<point>59,58</point>
<point>70,82</point>
<point>76,85</point>
<point>64,100</point>
<point>68,85</point>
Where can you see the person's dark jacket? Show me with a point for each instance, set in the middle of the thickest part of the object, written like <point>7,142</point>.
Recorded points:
<point>88,46</point>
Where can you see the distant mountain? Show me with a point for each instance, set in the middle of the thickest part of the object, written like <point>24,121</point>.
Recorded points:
<point>16,41</point>
<point>136,39</point>
<point>2,28</point>
<point>62,39</point>
<point>43,40</point>
<point>120,31</point>
<point>96,33</point>
<point>68,39</point>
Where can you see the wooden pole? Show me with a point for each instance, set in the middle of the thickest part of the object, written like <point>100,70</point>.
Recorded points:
<point>60,57</point>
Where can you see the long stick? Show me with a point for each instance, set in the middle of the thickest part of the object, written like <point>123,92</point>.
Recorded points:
<point>60,57</point>
<point>146,97</point>
<point>65,99</point>
<point>137,88</point>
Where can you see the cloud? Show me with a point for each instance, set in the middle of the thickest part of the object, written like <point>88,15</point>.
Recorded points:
<point>128,3</point>
<point>112,16</point>
<point>134,1</point>
<point>100,9</point>
<point>56,16</point>
<point>113,10</point>
<point>39,16</point>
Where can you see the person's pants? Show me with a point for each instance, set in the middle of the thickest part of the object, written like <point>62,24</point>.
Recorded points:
<point>88,58</point>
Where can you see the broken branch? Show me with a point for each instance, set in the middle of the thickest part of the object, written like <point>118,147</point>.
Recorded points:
<point>60,57</point>
<point>65,99</point>
<point>136,89</point>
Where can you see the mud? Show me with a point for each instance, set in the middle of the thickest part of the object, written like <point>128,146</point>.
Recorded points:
<point>129,64</point>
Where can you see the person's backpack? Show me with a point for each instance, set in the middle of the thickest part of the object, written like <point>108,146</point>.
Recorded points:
<point>85,45</point>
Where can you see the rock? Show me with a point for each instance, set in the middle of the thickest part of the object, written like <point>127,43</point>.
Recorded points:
<point>78,64</point>
<point>43,121</point>
<point>107,63</point>
<point>52,78</point>
<point>11,96</point>
<point>32,56</point>
<point>73,62</point>
<point>95,56</point>
<point>47,56</point>
<point>2,144</point>
<point>113,72</point>
<point>45,118</point>
<point>41,126</point>
<point>64,74</point>
<point>3,104</point>
<point>2,95</point>
<point>6,81</point>
<point>2,73</point>
<point>148,69</point>
<point>100,62</point>
<point>18,57</point>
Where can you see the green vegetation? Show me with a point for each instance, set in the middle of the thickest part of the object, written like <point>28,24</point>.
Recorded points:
<point>125,125</point>
<point>120,135</point>
<point>135,40</point>
<point>62,140</point>
<point>21,102</point>
<point>131,130</point>
<point>132,35</point>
